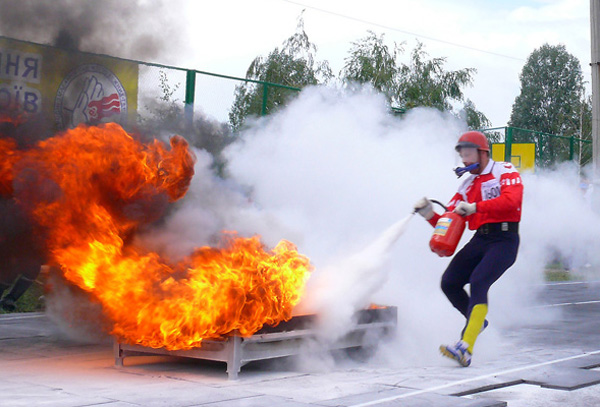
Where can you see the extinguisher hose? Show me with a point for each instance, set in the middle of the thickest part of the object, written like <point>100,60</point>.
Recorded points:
<point>437,202</point>
<point>440,204</point>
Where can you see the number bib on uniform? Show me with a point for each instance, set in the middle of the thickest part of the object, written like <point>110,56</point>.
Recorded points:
<point>490,189</point>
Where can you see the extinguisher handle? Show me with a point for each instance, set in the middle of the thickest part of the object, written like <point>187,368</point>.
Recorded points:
<point>440,204</point>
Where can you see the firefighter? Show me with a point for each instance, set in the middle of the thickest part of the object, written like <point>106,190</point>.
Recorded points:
<point>490,200</point>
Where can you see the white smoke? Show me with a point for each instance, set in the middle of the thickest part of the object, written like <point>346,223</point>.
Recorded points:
<point>355,278</point>
<point>558,225</point>
<point>75,316</point>
<point>211,206</point>
<point>336,174</point>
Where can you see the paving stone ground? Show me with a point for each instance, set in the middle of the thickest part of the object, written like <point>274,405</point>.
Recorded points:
<point>553,364</point>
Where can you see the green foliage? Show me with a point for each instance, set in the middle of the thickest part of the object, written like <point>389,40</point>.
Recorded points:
<point>293,65</point>
<point>167,109</point>
<point>474,118</point>
<point>372,61</point>
<point>423,82</point>
<point>166,88</point>
<point>31,301</point>
<point>557,275</point>
<point>550,100</point>
<point>585,149</point>
<point>493,136</point>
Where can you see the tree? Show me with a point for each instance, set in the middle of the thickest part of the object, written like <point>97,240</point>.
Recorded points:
<point>372,61</point>
<point>423,82</point>
<point>584,149</point>
<point>550,100</point>
<point>474,118</point>
<point>293,65</point>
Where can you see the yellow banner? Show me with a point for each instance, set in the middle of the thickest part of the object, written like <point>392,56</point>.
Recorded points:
<point>66,87</point>
<point>522,155</point>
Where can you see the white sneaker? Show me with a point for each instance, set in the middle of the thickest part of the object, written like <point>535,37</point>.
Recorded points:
<point>457,352</point>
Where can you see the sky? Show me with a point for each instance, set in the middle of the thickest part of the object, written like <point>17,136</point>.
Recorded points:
<point>494,37</point>
<point>224,37</point>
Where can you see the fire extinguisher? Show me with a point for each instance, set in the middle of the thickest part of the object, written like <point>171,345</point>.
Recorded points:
<point>447,232</point>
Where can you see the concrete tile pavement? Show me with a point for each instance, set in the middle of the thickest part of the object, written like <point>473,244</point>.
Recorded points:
<point>40,367</point>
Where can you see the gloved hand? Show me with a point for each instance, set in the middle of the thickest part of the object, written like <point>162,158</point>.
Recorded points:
<point>424,208</point>
<point>465,208</point>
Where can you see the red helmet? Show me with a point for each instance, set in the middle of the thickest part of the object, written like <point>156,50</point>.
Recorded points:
<point>473,139</point>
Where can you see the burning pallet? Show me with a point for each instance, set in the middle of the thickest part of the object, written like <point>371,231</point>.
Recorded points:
<point>285,339</point>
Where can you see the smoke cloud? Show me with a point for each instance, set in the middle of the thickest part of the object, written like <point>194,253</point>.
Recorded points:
<point>126,29</point>
<point>334,173</point>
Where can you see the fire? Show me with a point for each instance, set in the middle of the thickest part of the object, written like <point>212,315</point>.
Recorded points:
<point>90,189</point>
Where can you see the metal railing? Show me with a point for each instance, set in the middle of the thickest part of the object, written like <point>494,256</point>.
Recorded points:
<point>190,87</point>
<point>549,148</point>
<point>211,96</point>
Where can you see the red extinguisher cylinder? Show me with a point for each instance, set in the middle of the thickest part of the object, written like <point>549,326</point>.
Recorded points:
<point>447,233</point>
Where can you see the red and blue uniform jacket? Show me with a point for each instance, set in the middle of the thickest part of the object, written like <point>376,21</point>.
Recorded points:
<point>497,191</point>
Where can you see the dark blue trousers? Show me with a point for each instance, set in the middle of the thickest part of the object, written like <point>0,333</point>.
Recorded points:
<point>480,263</point>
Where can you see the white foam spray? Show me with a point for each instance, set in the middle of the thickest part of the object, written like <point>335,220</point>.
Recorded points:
<point>355,278</point>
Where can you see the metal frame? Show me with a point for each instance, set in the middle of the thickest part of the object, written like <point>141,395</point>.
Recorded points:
<point>286,339</point>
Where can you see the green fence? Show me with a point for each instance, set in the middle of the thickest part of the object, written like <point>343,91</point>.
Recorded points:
<point>33,76</point>
<point>199,105</point>
<point>200,94</point>
<point>206,94</point>
<point>550,149</point>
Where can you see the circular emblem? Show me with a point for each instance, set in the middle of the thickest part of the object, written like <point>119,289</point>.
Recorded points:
<point>90,94</point>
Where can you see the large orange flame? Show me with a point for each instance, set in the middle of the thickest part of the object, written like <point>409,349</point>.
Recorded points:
<point>90,188</point>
